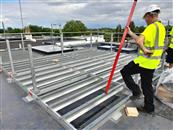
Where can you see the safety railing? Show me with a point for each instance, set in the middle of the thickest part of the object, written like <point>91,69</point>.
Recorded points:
<point>19,40</point>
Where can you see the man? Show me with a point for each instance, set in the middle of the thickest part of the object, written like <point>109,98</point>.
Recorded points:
<point>169,58</point>
<point>151,44</point>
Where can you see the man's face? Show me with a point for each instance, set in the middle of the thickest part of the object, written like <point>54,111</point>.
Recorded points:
<point>148,19</point>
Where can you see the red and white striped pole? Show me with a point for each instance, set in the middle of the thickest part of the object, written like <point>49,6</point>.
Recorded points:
<point>120,47</point>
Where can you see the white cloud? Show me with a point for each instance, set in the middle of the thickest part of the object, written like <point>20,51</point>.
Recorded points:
<point>5,20</point>
<point>68,8</point>
<point>95,13</point>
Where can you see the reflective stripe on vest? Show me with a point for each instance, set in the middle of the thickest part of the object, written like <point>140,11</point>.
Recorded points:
<point>150,57</point>
<point>171,43</point>
<point>156,46</point>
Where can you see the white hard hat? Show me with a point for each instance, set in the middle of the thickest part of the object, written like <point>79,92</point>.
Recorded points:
<point>152,8</point>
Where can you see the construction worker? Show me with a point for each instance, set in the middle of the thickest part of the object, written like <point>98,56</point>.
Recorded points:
<point>151,44</point>
<point>169,58</point>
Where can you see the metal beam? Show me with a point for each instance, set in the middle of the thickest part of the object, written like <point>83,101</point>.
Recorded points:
<point>35,89</point>
<point>10,56</point>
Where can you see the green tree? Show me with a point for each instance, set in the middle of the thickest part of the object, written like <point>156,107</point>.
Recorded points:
<point>74,26</point>
<point>35,28</point>
<point>132,26</point>
<point>46,29</point>
<point>13,30</point>
<point>139,29</point>
<point>9,29</point>
<point>118,28</point>
<point>119,32</point>
<point>1,30</point>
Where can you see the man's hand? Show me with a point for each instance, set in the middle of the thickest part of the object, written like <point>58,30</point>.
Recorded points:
<point>129,31</point>
<point>147,52</point>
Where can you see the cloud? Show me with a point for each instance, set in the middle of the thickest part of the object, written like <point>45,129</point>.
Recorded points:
<point>94,13</point>
<point>5,20</point>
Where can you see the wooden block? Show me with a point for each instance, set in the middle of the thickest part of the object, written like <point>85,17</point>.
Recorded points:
<point>164,94</point>
<point>131,112</point>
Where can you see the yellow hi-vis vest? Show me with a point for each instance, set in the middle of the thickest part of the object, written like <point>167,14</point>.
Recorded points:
<point>171,44</point>
<point>154,40</point>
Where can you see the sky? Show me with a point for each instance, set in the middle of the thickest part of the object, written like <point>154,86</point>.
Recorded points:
<point>94,13</point>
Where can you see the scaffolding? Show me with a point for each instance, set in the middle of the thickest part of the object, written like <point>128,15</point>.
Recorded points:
<point>70,86</point>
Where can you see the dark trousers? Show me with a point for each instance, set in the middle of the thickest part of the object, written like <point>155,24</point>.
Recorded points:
<point>146,83</point>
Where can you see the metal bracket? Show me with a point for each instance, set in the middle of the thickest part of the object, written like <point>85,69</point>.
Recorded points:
<point>28,99</point>
<point>10,77</point>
